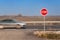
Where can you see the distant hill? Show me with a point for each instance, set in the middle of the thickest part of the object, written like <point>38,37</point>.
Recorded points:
<point>32,18</point>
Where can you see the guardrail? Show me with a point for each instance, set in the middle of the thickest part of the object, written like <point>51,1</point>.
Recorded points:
<point>42,21</point>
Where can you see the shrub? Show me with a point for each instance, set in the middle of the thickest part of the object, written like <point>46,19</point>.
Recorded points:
<point>51,36</point>
<point>47,35</point>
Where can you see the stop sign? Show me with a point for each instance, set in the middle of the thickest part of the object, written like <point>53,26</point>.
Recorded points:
<point>44,12</point>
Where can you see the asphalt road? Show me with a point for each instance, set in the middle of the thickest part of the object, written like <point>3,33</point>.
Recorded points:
<point>56,28</point>
<point>41,27</point>
<point>18,34</point>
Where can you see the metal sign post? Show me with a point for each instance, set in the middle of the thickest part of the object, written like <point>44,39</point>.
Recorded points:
<point>44,24</point>
<point>44,13</point>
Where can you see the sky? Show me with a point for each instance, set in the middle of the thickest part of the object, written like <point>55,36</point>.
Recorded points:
<point>29,7</point>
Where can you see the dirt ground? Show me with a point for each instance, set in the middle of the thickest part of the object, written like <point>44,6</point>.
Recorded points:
<point>18,34</point>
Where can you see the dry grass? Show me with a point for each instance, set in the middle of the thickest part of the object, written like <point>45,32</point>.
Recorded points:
<point>47,34</point>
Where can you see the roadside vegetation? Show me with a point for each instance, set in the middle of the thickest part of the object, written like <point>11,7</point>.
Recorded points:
<point>48,35</point>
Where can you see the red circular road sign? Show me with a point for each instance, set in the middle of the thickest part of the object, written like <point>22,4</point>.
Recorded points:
<point>44,12</point>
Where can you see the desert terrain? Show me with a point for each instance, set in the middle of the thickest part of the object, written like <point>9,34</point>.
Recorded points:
<point>27,34</point>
